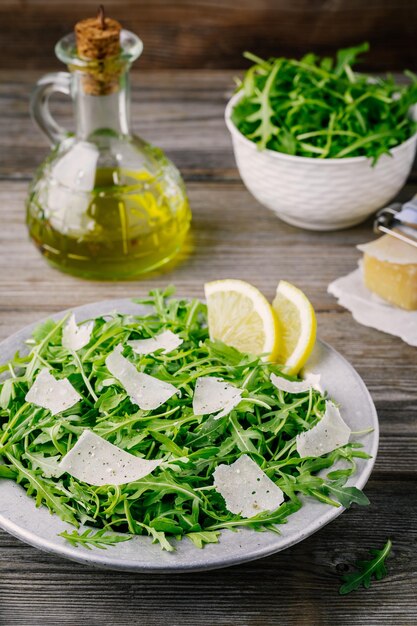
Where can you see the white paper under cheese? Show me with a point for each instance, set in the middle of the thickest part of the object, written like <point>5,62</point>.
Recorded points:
<point>98,462</point>
<point>369,310</point>
<point>294,386</point>
<point>390,249</point>
<point>329,433</point>
<point>50,393</point>
<point>246,489</point>
<point>146,391</point>
<point>167,341</point>
<point>76,337</point>
<point>214,395</point>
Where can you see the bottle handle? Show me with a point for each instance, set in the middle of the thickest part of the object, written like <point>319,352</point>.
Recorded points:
<point>39,104</point>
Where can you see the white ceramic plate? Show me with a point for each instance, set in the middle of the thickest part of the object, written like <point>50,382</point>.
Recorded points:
<point>37,527</point>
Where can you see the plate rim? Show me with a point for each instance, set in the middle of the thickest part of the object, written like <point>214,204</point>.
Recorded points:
<point>102,559</point>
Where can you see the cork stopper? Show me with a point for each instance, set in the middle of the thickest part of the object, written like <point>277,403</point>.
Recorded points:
<point>98,39</point>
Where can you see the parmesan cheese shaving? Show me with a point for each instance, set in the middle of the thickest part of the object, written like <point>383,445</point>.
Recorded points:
<point>214,395</point>
<point>246,489</point>
<point>146,391</point>
<point>76,337</point>
<point>290,386</point>
<point>50,393</point>
<point>390,249</point>
<point>98,462</point>
<point>167,341</point>
<point>329,433</point>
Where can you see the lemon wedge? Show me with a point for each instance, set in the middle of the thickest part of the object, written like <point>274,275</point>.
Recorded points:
<point>241,317</point>
<point>298,325</point>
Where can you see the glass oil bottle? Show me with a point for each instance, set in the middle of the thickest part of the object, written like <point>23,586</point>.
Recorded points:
<point>104,204</point>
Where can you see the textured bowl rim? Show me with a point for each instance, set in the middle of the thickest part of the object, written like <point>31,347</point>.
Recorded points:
<point>235,132</point>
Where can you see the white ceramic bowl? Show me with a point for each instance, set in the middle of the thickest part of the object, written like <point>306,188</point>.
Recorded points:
<point>319,194</point>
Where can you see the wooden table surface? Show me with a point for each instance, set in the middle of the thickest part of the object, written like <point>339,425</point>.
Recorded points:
<point>232,236</point>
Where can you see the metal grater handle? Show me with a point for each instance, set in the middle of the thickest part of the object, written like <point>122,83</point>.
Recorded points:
<point>399,221</point>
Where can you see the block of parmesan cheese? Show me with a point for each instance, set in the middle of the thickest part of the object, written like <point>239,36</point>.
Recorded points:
<point>390,270</point>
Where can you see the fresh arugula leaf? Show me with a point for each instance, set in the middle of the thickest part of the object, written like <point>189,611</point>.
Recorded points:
<point>323,109</point>
<point>43,330</point>
<point>49,465</point>
<point>97,539</point>
<point>374,567</point>
<point>42,491</point>
<point>199,539</point>
<point>265,129</point>
<point>158,537</point>
<point>348,56</point>
<point>7,472</point>
<point>346,495</point>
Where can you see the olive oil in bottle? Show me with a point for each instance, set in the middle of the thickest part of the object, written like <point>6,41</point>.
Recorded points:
<point>128,224</point>
<point>105,204</point>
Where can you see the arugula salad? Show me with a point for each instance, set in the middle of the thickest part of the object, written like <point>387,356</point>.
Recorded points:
<point>143,425</point>
<point>321,108</point>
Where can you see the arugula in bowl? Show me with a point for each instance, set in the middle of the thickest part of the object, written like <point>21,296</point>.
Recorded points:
<point>319,107</point>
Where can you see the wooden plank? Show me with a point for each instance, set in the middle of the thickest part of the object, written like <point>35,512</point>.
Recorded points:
<point>212,34</point>
<point>182,112</point>
<point>222,244</point>
<point>174,113</point>
<point>296,587</point>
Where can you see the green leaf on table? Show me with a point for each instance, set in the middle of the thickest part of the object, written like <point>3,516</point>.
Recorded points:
<point>366,570</point>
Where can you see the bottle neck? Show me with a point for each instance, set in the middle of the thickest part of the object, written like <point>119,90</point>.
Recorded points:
<point>101,113</point>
